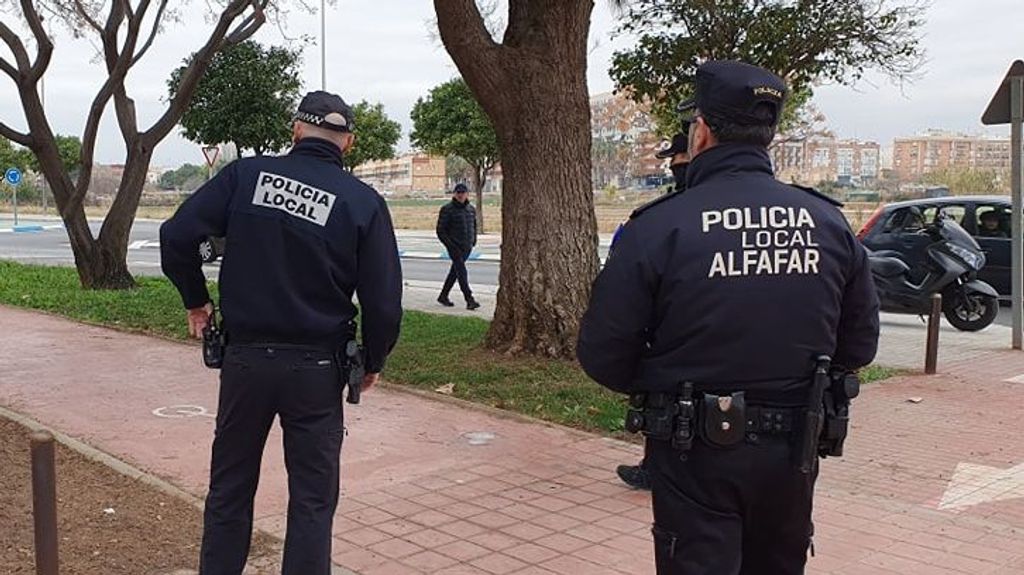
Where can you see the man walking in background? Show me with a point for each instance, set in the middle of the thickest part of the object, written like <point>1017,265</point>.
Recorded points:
<point>456,228</point>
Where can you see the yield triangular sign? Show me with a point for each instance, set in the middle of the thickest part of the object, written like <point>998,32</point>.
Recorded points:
<point>998,111</point>
<point>211,153</point>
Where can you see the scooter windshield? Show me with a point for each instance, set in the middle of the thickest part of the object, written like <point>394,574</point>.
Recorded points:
<point>954,233</point>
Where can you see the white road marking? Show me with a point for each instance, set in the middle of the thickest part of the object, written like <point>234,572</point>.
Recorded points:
<point>974,484</point>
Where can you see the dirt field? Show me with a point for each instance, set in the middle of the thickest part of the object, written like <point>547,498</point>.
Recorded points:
<point>422,215</point>
<point>148,532</point>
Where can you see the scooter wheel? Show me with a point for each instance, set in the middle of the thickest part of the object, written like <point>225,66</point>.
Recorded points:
<point>970,312</point>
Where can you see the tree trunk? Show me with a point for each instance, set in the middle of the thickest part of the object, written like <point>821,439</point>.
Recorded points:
<point>533,87</point>
<point>478,187</point>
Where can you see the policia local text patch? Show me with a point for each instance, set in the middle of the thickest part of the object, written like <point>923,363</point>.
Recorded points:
<point>772,240</point>
<point>293,198</point>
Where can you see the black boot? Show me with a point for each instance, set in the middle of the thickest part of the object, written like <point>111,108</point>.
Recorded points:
<point>634,476</point>
<point>443,300</point>
<point>472,304</point>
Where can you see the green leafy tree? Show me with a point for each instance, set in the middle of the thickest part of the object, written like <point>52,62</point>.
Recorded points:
<point>450,122</point>
<point>70,150</point>
<point>247,97</point>
<point>803,42</point>
<point>376,135</point>
<point>963,181</point>
<point>12,156</point>
<point>185,177</point>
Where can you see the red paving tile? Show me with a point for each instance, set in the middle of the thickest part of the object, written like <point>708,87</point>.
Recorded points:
<point>417,498</point>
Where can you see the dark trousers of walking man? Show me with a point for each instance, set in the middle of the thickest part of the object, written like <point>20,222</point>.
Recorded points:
<point>458,273</point>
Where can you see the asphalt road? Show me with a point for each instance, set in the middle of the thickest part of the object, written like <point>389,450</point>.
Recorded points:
<point>51,247</point>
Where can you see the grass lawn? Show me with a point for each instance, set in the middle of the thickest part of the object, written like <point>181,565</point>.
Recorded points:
<point>434,350</point>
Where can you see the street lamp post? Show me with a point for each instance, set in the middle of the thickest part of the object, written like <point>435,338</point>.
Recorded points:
<point>323,45</point>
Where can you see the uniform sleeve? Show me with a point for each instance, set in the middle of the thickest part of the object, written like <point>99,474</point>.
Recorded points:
<point>857,340</point>
<point>379,288</point>
<point>203,214</point>
<point>613,331</point>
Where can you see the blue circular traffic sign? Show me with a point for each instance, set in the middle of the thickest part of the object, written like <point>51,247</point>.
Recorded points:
<point>13,176</point>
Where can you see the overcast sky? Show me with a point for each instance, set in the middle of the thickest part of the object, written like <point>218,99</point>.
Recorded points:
<point>380,50</point>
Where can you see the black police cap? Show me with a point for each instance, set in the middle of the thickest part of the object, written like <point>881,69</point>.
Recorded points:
<point>680,145</point>
<point>327,111</point>
<point>732,91</point>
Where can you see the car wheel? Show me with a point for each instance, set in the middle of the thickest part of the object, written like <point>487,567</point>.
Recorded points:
<point>970,312</point>
<point>206,251</point>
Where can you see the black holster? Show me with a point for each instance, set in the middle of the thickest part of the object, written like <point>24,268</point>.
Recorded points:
<point>351,360</point>
<point>664,416</point>
<point>214,341</point>
<point>844,386</point>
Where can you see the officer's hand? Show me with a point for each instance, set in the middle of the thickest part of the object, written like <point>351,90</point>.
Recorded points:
<point>198,319</point>
<point>370,380</point>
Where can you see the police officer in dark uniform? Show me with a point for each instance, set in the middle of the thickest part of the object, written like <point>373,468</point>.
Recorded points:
<point>676,153</point>
<point>302,236</point>
<point>716,311</point>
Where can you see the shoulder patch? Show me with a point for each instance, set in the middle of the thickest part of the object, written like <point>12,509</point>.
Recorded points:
<point>657,201</point>
<point>818,195</point>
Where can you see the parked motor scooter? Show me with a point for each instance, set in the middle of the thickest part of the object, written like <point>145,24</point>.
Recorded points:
<point>951,266</point>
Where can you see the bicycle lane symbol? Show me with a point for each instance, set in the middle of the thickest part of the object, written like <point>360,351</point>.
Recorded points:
<point>182,412</point>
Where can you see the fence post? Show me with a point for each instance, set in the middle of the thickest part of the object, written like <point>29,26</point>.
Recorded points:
<point>44,503</point>
<point>931,353</point>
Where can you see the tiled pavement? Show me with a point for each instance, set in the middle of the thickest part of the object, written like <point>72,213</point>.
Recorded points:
<point>930,486</point>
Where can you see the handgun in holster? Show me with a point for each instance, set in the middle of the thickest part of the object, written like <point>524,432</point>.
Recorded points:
<point>805,452</point>
<point>843,387</point>
<point>355,370</point>
<point>213,343</point>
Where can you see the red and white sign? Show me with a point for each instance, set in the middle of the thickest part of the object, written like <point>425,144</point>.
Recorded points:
<point>211,153</point>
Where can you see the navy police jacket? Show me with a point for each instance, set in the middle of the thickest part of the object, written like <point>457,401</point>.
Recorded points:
<point>736,285</point>
<point>302,236</point>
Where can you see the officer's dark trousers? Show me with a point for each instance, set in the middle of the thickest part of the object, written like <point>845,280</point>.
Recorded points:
<point>458,273</point>
<point>304,389</point>
<point>744,511</point>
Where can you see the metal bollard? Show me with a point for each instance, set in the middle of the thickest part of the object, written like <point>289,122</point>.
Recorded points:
<point>44,503</point>
<point>931,352</point>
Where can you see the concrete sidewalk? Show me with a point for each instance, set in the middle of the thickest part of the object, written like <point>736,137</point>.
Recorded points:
<point>932,487</point>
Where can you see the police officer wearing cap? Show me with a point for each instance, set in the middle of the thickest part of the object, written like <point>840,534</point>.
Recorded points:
<point>679,159</point>
<point>303,235</point>
<point>635,476</point>
<point>716,313</point>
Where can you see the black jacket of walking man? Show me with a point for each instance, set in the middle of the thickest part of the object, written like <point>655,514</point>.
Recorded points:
<point>737,287</point>
<point>456,228</point>
<point>302,235</point>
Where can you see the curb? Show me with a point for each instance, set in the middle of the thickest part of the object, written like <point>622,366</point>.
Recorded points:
<point>31,228</point>
<point>103,458</point>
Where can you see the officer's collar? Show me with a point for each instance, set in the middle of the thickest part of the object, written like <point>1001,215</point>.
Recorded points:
<point>319,148</point>
<point>728,159</point>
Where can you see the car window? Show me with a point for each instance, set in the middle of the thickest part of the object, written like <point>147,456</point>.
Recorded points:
<point>904,220</point>
<point>993,221</point>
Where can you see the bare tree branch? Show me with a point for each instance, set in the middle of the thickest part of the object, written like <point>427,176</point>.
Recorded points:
<point>152,33</point>
<point>10,70</point>
<point>466,38</point>
<point>198,66</point>
<point>17,48</point>
<point>15,136</point>
<point>84,15</point>
<point>44,48</point>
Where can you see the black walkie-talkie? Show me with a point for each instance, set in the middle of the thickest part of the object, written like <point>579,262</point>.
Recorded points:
<point>213,343</point>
